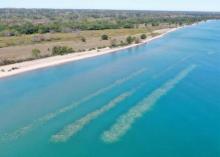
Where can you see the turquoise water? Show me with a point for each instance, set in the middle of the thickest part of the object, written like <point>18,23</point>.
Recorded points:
<point>159,99</point>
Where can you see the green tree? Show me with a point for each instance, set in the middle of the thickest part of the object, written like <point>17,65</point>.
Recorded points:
<point>180,23</point>
<point>43,29</point>
<point>104,37</point>
<point>143,36</point>
<point>27,28</point>
<point>130,39</point>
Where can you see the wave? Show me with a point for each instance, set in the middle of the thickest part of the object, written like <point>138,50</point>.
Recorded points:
<point>39,122</point>
<point>125,121</point>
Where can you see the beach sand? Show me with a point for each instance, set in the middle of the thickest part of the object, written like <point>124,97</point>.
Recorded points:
<point>17,68</point>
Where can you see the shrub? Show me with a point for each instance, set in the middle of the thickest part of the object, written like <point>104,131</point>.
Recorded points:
<point>83,39</point>
<point>61,50</point>
<point>130,39</point>
<point>143,36</point>
<point>81,50</point>
<point>91,49</point>
<point>180,23</point>
<point>155,24</point>
<point>104,37</point>
<point>101,47</point>
<point>122,43</point>
<point>6,62</point>
<point>128,25</point>
<point>36,53</point>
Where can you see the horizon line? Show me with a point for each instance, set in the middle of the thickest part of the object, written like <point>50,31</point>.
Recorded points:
<point>204,11</point>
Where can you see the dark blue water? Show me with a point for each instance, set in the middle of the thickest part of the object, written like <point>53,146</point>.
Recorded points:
<point>159,99</point>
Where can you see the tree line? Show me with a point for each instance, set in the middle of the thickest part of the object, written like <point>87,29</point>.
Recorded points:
<point>31,21</point>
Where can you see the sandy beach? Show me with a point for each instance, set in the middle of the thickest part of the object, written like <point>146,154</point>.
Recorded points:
<point>17,68</point>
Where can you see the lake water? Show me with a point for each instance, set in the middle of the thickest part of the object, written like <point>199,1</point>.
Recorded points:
<point>159,100</point>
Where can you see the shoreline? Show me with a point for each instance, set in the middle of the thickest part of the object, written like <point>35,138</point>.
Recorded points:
<point>18,68</point>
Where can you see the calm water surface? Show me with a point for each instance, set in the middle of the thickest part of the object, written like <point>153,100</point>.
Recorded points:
<point>159,99</point>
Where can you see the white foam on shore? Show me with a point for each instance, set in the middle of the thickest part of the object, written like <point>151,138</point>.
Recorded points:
<point>125,121</point>
<point>37,123</point>
<point>73,128</point>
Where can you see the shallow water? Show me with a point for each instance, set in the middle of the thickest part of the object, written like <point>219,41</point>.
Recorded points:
<point>159,99</point>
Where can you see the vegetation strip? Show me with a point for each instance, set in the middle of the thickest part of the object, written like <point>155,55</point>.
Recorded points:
<point>70,130</point>
<point>37,123</point>
<point>125,121</point>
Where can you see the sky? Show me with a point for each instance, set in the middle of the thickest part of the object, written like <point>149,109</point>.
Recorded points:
<point>174,5</point>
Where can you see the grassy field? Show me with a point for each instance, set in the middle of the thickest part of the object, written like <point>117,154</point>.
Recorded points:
<point>19,48</point>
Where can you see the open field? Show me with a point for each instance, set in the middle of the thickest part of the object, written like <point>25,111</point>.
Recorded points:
<point>23,45</point>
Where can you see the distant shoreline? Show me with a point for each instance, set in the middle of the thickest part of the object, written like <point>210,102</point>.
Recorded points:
<point>18,68</point>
